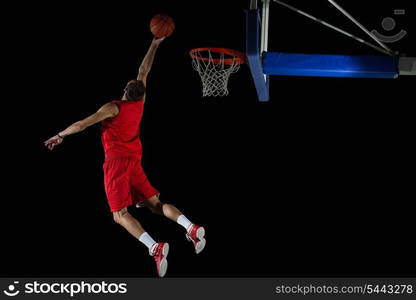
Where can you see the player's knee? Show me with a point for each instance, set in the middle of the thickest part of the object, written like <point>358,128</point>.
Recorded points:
<point>118,216</point>
<point>157,209</point>
<point>155,206</point>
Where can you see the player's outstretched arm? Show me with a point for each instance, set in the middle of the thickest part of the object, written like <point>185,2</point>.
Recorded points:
<point>148,60</point>
<point>108,110</point>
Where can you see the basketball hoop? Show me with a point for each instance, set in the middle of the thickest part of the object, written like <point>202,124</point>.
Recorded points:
<point>215,65</point>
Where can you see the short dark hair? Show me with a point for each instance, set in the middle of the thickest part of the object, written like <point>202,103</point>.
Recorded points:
<point>135,90</point>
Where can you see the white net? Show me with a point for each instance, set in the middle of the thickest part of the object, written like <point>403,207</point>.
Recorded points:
<point>215,70</point>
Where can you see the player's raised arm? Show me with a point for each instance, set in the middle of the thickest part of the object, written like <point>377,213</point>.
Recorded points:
<point>147,62</point>
<point>108,110</point>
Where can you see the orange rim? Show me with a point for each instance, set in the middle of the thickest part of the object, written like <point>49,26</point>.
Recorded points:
<point>239,58</point>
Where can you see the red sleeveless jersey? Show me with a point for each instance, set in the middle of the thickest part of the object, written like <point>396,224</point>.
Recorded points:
<point>120,135</point>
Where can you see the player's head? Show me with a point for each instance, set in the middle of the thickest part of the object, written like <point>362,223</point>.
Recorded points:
<point>135,90</point>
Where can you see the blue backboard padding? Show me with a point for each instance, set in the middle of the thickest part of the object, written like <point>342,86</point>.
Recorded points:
<point>324,65</point>
<point>253,54</point>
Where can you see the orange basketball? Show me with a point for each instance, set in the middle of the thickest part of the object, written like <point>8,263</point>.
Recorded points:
<point>162,25</point>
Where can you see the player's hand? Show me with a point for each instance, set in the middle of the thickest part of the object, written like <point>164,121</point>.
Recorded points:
<point>157,41</point>
<point>53,141</point>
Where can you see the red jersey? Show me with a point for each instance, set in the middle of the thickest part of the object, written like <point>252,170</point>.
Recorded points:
<point>120,135</point>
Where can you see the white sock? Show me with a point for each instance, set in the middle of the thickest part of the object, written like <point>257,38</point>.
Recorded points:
<point>146,239</point>
<point>182,220</point>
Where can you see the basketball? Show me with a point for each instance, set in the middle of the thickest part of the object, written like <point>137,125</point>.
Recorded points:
<point>162,25</point>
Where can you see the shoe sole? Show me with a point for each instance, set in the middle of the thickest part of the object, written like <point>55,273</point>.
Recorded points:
<point>200,233</point>
<point>164,262</point>
<point>200,245</point>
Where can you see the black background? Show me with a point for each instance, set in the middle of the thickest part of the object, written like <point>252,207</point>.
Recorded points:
<point>316,182</point>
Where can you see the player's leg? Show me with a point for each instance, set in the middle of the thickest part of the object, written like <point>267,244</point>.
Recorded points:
<point>126,220</point>
<point>158,250</point>
<point>118,190</point>
<point>195,233</point>
<point>119,197</point>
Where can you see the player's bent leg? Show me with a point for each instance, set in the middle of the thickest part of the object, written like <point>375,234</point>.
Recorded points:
<point>159,251</point>
<point>126,220</point>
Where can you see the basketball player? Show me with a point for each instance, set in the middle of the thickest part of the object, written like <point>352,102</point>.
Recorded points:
<point>126,183</point>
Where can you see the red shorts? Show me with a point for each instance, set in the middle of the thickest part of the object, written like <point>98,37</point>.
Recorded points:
<point>126,183</point>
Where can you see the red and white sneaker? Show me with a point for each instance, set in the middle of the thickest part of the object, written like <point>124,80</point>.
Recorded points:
<point>196,235</point>
<point>160,252</point>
